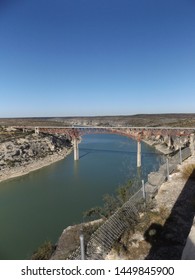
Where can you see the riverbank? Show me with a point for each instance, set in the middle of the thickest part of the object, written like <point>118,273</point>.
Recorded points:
<point>70,238</point>
<point>162,148</point>
<point>21,153</point>
<point>33,166</point>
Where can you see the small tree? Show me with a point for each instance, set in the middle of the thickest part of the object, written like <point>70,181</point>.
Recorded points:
<point>124,192</point>
<point>111,203</point>
<point>44,252</point>
<point>94,213</point>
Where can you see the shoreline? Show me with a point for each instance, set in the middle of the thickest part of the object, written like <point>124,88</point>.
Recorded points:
<point>50,159</point>
<point>159,147</point>
<point>33,166</point>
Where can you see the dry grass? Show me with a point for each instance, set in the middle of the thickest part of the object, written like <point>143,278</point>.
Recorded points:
<point>152,216</point>
<point>188,171</point>
<point>132,244</point>
<point>175,120</point>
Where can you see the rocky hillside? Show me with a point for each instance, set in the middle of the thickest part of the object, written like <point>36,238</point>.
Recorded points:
<point>18,149</point>
<point>166,144</point>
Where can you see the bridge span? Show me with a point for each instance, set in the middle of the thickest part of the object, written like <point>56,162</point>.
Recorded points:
<point>74,133</point>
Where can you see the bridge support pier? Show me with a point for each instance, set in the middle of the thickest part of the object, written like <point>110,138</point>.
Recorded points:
<point>139,153</point>
<point>192,148</point>
<point>76,149</point>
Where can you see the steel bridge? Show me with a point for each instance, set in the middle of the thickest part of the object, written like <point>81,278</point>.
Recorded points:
<point>74,133</point>
<point>77,131</point>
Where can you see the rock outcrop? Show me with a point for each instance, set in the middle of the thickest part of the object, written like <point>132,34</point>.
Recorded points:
<point>19,150</point>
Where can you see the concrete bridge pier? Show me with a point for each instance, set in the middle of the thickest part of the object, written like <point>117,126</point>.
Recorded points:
<point>76,149</point>
<point>139,153</point>
<point>192,144</point>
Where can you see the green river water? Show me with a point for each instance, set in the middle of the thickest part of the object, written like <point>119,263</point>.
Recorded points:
<point>38,206</point>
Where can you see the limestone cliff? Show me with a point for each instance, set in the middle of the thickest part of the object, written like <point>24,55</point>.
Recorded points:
<point>20,150</point>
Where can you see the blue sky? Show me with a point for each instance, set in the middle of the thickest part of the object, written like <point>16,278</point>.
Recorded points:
<point>96,57</point>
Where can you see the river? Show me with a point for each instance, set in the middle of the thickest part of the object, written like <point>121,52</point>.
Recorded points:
<point>37,207</point>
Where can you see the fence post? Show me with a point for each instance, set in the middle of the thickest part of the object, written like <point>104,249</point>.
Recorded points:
<point>167,164</point>
<point>180,155</point>
<point>144,193</point>
<point>143,190</point>
<point>192,148</point>
<point>82,246</point>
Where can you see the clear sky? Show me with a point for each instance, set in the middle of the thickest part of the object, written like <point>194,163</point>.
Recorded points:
<point>96,57</point>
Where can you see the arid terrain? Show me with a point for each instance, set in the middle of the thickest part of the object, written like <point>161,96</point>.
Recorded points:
<point>22,152</point>
<point>175,120</point>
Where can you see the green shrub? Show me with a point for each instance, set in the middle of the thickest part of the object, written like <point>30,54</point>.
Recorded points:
<point>111,202</point>
<point>44,252</point>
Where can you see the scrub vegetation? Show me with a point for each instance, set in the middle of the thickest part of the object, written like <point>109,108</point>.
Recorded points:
<point>44,252</point>
<point>174,120</point>
<point>133,244</point>
<point>112,202</point>
<point>188,171</point>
